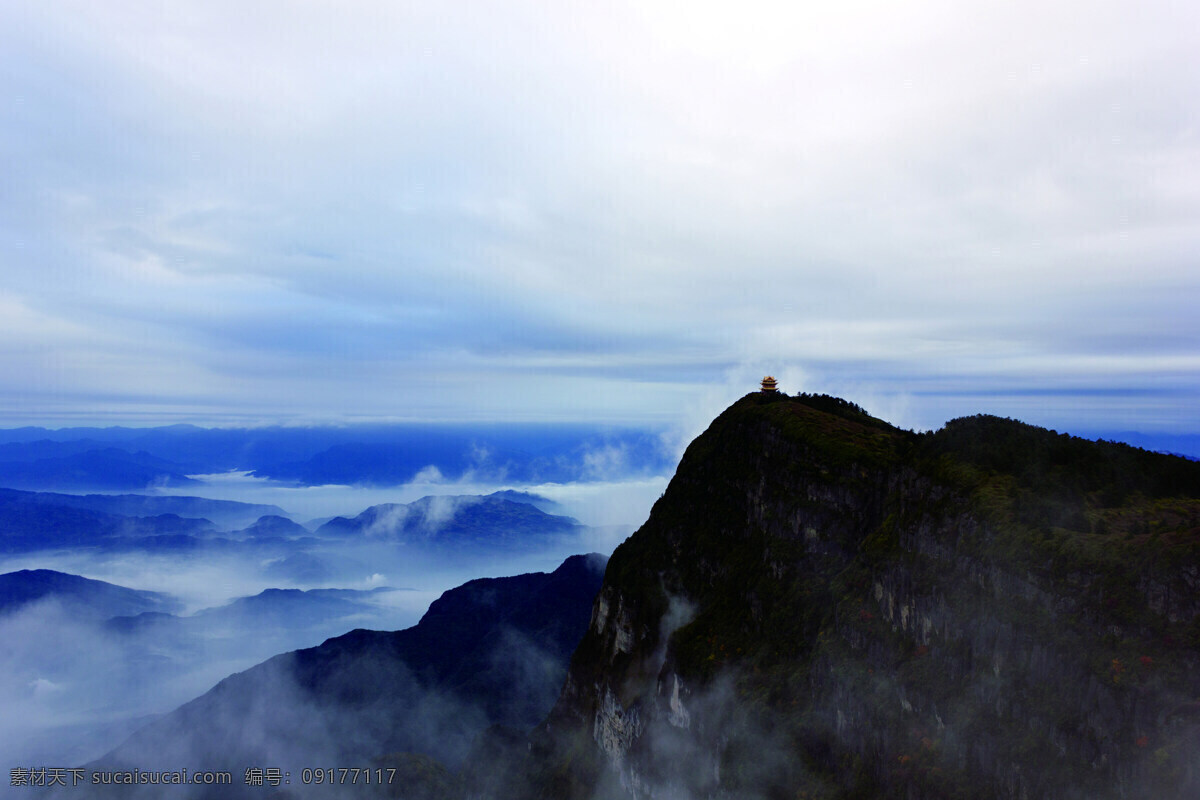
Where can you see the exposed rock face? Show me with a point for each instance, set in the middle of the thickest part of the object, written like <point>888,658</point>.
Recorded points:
<point>822,605</point>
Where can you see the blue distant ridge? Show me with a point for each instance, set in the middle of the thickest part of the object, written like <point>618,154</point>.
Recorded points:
<point>131,459</point>
<point>81,596</point>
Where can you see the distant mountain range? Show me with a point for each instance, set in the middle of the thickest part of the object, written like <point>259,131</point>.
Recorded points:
<point>27,524</point>
<point>84,659</point>
<point>228,513</point>
<point>110,468</point>
<point>490,652</point>
<point>142,649</point>
<point>272,526</point>
<point>134,459</point>
<point>456,521</point>
<point>271,610</point>
<point>81,597</point>
<point>124,610</point>
<point>31,521</point>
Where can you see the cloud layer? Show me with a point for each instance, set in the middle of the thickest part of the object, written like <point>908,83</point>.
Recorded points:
<point>619,212</point>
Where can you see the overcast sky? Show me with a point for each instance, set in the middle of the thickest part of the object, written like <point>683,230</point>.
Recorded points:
<point>227,213</point>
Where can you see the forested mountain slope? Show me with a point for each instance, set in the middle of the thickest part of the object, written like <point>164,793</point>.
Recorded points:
<point>824,606</point>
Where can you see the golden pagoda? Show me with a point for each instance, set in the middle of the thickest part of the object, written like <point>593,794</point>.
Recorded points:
<point>768,384</point>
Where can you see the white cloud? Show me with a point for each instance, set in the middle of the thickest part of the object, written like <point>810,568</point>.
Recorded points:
<point>523,211</point>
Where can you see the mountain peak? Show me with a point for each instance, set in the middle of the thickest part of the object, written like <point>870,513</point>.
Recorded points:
<point>822,604</point>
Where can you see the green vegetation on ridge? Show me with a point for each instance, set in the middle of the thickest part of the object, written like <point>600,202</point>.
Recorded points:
<point>908,615</point>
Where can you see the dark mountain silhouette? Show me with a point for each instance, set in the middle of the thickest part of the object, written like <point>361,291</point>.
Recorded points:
<point>492,651</point>
<point>824,606</point>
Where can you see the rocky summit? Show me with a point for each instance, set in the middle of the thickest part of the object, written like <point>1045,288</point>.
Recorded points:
<point>822,605</point>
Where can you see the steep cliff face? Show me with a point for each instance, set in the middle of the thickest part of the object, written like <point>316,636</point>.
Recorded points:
<point>822,605</point>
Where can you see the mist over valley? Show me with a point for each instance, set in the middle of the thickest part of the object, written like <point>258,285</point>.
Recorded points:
<point>122,599</point>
